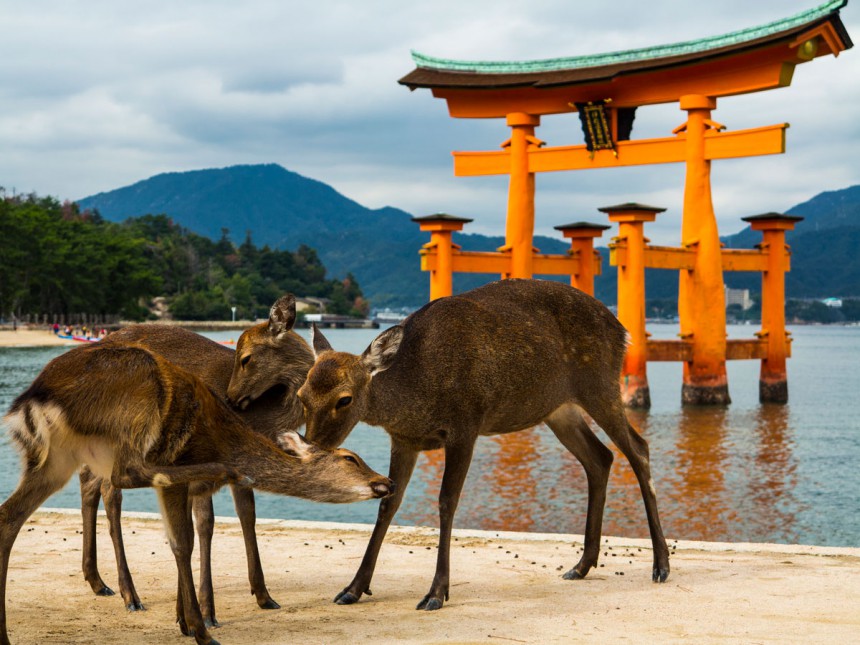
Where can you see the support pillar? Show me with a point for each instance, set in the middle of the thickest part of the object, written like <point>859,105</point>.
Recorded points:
<point>701,297</point>
<point>519,227</point>
<point>629,250</point>
<point>441,227</point>
<point>773,379</point>
<point>582,236</point>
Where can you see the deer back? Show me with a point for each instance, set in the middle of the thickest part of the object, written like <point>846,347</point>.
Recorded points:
<point>274,410</point>
<point>94,401</point>
<point>209,361</point>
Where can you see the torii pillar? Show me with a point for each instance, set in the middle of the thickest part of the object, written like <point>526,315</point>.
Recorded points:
<point>631,220</point>
<point>701,293</point>
<point>441,227</point>
<point>520,222</point>
<point>582,236</point>
<point>773,380</point>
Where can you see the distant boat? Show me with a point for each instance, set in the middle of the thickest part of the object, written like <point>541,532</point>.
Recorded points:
<point>332,321</point>
<point>80,339</point>
<point>390,317</point>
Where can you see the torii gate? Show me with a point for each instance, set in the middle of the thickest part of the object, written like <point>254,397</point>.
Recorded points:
<point>606,89</point>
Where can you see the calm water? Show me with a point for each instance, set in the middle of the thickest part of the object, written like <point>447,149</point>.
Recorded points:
<point>745,473</point>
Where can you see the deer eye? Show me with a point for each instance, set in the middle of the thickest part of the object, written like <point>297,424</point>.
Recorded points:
<point>245,360</point>
<point>351,459</point>
<point>342,402</point>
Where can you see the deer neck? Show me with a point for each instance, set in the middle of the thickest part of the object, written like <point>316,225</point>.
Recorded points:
<point>259,458</point>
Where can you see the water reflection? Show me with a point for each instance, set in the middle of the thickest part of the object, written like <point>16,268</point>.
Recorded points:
<point>720,475</point>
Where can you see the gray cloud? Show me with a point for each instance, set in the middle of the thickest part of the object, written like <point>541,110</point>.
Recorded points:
<point>98,95</point>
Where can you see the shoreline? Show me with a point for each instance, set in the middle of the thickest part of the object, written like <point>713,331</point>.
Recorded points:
<point>28,337</point>
<point>505,588</point>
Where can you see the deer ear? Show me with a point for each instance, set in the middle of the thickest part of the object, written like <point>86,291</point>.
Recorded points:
<point>318,341</point>
<point>294,445</point>
<point>282,315</point>
<point>383,350</point>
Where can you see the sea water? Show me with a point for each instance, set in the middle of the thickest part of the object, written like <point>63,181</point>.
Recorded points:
<point>746,472</point>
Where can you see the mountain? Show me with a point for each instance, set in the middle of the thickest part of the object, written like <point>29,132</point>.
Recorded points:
<point>284,209</point>
<point>380,246</point>
<point>824,247</point>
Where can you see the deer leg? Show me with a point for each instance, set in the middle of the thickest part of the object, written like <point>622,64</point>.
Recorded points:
<point>113,508</point>
<point>614,422</point>
<point>176,511</point>
<point>400,470</point>
<point>573,432</point>
<point>243,499</point>
<point>90,496</point>
<point>36,485</point>
<point>458,457</point>
<point>204,518</point>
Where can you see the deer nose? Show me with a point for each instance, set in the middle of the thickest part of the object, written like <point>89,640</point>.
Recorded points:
<point>382,488</point>
<point>239,403</point>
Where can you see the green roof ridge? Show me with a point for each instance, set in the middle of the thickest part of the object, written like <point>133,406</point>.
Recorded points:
<point>631,55</point>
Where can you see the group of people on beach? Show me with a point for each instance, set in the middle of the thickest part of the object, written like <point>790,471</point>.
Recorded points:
<point>82,331</point>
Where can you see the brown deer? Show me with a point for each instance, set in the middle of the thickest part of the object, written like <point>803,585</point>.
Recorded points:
<point>274,411</point>
<point>138,420</point>
<point>501,358</point>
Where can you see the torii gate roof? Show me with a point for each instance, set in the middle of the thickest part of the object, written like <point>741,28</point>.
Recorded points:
<point>747,60</point>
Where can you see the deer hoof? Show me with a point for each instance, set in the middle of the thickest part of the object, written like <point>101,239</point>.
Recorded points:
<point>429,604</point>
<point>211,623</point>
<point>105,591</point>
<point>135,605</point>
<point>573,574</point>
<point>346,598</point>
<point>660,575</point>
<point>204,638</point>
<point>268,604</point>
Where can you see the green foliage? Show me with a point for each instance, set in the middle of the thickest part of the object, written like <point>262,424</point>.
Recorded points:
<point>815,311</point>
<point>56,259</point>
<point>205,279</point>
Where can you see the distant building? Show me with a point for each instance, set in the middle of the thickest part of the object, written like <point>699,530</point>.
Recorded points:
<point>836,303</point>
<point>739,297</point>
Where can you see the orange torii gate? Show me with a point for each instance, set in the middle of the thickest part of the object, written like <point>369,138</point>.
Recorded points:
<point>606,90</point>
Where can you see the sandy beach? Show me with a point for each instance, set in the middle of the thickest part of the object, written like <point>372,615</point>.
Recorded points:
<point>505,588</point>
<point>32,338</point>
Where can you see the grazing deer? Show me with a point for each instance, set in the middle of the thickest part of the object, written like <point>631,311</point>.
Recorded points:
<point>501,358</point>
<point>275,410</point>
<point>138,420</point>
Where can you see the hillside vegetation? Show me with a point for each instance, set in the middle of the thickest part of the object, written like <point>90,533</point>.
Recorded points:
<point>57,260</point>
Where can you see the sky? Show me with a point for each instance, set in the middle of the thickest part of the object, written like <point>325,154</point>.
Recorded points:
<point>100,94</point>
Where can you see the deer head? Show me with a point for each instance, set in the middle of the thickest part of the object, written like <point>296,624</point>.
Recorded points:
<point>268,355</point>
<point>335,394</point>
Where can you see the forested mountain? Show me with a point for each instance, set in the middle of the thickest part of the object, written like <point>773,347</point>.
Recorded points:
<point>379,247</point>
<point>59,260</point>
<point>282,209</point>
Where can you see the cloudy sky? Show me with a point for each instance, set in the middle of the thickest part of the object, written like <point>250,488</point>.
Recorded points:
<point>100,94</point>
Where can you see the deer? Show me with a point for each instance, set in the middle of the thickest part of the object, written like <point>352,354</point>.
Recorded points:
<point>138,420</point>
<point>275,410</point>
<point>501,358</point>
